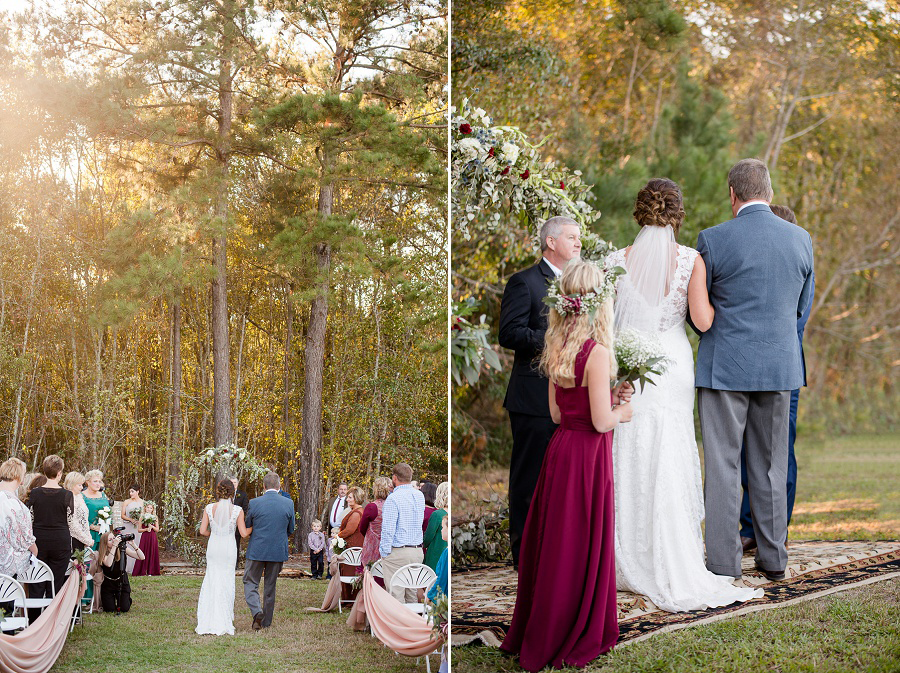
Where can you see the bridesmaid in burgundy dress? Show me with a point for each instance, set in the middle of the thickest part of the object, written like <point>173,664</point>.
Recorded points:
<point>566,602</point>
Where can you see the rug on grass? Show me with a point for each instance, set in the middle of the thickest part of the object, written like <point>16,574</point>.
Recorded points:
<point>484,595</point>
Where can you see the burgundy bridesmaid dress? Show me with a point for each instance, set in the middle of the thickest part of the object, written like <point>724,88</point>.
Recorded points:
<point>150,546</point>
<point>566,601</point>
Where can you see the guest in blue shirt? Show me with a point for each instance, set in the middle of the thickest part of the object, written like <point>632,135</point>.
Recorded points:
<point>401,530</point>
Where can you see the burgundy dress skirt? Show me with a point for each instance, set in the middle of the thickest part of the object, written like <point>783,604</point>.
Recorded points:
<point>150,546</point>
<point>566,601</point>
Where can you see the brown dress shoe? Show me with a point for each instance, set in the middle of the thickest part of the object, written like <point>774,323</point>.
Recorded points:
<point>748,543</point>
<point>257,621</point>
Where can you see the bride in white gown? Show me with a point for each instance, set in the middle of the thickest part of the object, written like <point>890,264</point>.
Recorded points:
<point>215,607</point>
<point>659,499</point>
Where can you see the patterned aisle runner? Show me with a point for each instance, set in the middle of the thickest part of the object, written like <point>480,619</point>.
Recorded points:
<point>484,595</point>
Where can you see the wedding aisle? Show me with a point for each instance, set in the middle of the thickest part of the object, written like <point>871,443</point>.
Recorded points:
<point>484,595</point>
<point>158,635</point>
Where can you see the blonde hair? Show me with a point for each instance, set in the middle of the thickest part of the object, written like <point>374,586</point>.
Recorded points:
<point>442,497</point>
<point>381,489</point>
<point>567,333</point>
<point>12,470</point>
<point>93,473</point>
<point>73,479</point>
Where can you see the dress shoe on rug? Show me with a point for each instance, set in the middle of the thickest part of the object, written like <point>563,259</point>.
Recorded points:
<point>774,576</point>
<point>748,543</point>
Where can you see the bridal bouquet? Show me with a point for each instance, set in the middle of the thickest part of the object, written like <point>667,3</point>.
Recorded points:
<point>104,517</point>
<point>135,513</point>
<point>639,356</point>
<point>337,546</point>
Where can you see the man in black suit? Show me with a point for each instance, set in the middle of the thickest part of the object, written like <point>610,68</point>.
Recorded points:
<point>523,322</point>
<point>241,500</point>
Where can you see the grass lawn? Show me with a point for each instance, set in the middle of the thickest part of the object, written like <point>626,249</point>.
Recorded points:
<point>848,488</point>
<point>854,631</point>
<point>158,635</point>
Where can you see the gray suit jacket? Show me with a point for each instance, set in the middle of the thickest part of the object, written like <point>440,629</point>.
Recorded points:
<point>759,272</point>
<point>272,519</point>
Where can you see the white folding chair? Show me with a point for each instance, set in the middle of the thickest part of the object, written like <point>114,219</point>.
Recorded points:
<point>377,570</point>
<point>12,592</point>
<point>36,574</point>
<point>414,576</point>
<point>350,557</point>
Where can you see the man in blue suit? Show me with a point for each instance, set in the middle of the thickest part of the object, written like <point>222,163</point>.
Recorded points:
<point>759,277</point>
<point>748,536</point>
<point>272,519</point>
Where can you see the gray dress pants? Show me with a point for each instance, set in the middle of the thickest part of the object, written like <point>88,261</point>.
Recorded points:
<point>760,419</point>
<point>253,571</point>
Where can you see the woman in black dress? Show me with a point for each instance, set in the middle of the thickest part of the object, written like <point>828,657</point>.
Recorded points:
<point>52,507</point>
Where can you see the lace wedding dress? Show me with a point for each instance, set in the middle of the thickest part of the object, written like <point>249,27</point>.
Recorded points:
<point>659,499</point>
<point>215,608</point>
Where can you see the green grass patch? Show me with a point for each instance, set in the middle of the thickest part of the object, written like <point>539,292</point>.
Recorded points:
<point>158,635</point>
<point>854,631</point>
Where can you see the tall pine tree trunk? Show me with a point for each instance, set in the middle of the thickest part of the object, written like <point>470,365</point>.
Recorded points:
<point>311,440</point>
<point>221,342</point>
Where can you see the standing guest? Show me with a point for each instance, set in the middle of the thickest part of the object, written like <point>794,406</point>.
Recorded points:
<point>349,531</point>
<point>149,546</point>
<point>316,541</point>
<point>429,490</point>
<point>443,567</point>
<point>35,481</point>
<point>132,509</point>
<point>401,529</point>
<point>523,322</point>
<point>95,501</point>
<point>240,500</point>
<point>565,610</point>
<point>334,512</point>
<point>370,523</point>
<point>79,528</point>
<point>748,534</point>
<point>52,508</point>
<point>17,541</point>
<point>433,541</point>
<point>115,589</point>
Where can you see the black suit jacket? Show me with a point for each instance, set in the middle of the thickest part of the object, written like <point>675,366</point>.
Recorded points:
<point>523,323</point>
<point>241,500</point>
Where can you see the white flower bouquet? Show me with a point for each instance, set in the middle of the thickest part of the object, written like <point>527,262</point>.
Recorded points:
<point>639,356</point>
<point>104,518</point>
<point>337,545</point>
<point>148,519</point>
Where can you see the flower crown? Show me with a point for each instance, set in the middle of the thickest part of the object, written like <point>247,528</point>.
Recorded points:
<point>578,304</point>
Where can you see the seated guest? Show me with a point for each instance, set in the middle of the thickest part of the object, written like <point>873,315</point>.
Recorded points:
<point>429,490</point>
<point>79,526</point>
<point>401,529</point>
<point>52,508</point>
<point>433,541</point>
<point>16,537</point>
<point>110,575</point>
<point>356,499</point>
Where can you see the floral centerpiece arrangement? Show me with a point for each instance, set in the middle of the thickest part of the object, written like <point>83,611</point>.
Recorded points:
<point>639,356</point>
<point>104,519</point>
<point>495,171</point>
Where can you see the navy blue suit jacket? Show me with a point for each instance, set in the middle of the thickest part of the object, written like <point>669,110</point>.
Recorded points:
<point>760,282</point>
<point>272,519</point>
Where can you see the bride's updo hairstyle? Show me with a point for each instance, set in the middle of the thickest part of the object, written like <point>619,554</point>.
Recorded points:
<point>225,489</point>
<point>660,204</point>
<point>566,333</point>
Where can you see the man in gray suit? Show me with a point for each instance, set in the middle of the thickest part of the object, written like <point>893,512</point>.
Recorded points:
<point>759,276</point>
<point>272,518</point>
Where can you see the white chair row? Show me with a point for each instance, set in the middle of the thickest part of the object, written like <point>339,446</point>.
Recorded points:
<point>37,573</point>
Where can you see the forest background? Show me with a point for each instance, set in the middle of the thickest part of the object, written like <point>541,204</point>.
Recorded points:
<point>625,90</point>
<point>225,224</point>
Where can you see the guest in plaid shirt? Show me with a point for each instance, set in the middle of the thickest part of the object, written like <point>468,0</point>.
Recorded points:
<point>401,529</point>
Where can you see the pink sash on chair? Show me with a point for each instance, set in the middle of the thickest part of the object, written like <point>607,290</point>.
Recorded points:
<point>36,649</point>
